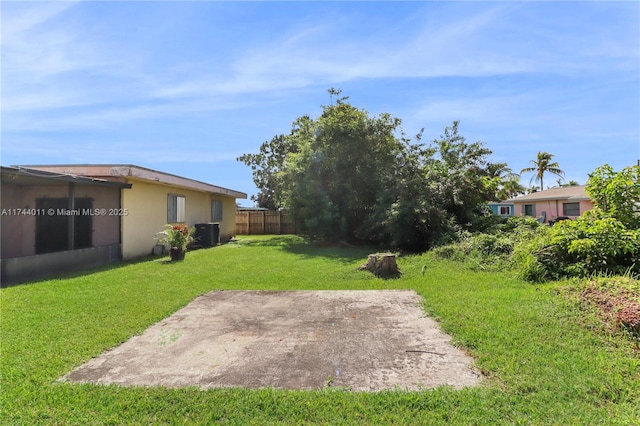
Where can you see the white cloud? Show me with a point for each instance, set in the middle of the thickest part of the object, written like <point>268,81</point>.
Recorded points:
<point>56,65</point>
<point>117,151</point>
<point>110,115</point>
<point>25,16</point>
<point>38,43</point>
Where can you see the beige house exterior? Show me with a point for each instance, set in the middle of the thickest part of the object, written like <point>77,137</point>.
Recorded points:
<point>156,198</point>
<point>568,201</point>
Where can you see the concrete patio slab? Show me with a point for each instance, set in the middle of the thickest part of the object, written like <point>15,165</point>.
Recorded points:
<point>360,340</point>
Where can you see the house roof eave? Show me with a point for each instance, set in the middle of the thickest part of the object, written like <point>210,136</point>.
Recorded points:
<point>569,193</point>
<point>35,174</point>
<point>151,175</point>
<point>130,171</point>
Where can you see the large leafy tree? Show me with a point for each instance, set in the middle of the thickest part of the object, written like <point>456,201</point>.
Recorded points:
<point>353,176</point>
<point>266,166</point>
<point>541,165</point>
<point>346,157</point>
<point>459,171</point>
<point>438,191</point>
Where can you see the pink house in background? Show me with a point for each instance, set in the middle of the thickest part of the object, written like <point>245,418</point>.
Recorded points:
<point>569,201</point>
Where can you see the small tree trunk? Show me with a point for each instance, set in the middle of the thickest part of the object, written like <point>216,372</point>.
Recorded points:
<point>382,265</point>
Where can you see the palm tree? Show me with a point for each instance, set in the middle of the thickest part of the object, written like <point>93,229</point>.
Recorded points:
<point>499,170</point>
<point>542,164</point>
<point>503,182</point>
<point>510,188</point>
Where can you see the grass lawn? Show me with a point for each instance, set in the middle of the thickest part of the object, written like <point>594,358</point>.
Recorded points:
<point>545,360</point>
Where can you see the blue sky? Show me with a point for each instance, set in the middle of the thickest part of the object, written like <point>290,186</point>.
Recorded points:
<point>186,87</point>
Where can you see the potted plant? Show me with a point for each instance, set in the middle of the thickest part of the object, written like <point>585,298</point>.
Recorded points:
<point>177,237</point>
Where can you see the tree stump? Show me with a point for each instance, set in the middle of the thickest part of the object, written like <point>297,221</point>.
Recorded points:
<point>382,265</point>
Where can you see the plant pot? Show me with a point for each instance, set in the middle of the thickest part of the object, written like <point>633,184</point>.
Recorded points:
<point>177,253</point>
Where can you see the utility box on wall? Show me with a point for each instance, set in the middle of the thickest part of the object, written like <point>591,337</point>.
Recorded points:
<point>207,234</point>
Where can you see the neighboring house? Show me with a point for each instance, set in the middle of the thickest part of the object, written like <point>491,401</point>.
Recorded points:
<point>569,201</point>
<point>43,226</point>
<point>502,209</point>
<point>158,198</point>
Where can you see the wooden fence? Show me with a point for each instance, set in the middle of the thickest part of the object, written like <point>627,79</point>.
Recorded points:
<point>257,222</point>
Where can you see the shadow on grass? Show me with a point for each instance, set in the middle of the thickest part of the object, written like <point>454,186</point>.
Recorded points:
<point>294,244</point>
<point>268,240</point>
<point>340,252</point>
<point>84,271</point>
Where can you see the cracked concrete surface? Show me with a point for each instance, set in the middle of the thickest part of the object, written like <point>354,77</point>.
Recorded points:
<point>368,340</point>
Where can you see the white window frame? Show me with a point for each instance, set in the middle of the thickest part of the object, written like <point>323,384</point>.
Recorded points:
<point>176,208</point>
<point>506,212</point>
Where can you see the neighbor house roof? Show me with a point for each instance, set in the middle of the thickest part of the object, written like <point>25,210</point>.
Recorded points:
<point>572,193</point>
<point>123,171</point>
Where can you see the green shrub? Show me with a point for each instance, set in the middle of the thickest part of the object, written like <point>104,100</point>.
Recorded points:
<point>597,243</point>
<point>520,225</point>
<point>487,223</point>
<point>535,258</point>
<point>591,244</point>
<point>494,248</point>
<point>617,193</point>
<point>488,250</point>
<point>491,245</point>
<point>450,252</point>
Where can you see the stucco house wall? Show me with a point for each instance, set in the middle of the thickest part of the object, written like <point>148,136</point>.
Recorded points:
<point>144,205</point>
<point>553,208</point>
<point>551,202</point>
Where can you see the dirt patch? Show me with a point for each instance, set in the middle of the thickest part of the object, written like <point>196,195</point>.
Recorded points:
<point>359,340</point>
<point>617,307</point>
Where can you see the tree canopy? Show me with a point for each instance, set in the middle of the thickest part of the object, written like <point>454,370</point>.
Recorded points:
<point>349,175</point>
<point>617,194</point>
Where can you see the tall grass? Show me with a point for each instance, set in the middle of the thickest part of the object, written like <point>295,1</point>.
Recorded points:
<point>543,362</point>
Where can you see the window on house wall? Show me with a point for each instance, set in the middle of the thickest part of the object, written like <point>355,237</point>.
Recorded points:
<point>571,209</point>
<point>505,210</point>
<point>175,208</point>
<point>216,211</point>
<point>529,209</point>
<point>61,228</point>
